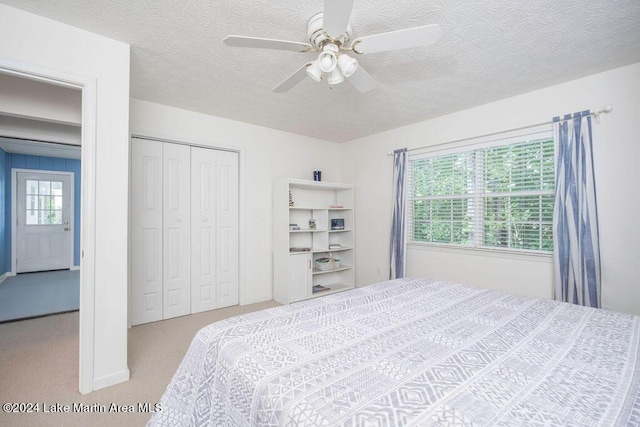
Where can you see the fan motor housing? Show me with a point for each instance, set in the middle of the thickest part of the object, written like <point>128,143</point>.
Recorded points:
<point>318,37</point>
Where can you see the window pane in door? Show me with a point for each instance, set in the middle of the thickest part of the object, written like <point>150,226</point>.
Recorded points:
<point>56,188</point>
<point>55,217</point>
<point>32,202</point>
<point>43,217</point>
<point>57,202</point>
<point>32,186</point>
<point>45,188</point>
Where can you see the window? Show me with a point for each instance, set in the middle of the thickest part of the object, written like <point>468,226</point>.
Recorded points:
<point>494,197</point>
<point>44,202</point>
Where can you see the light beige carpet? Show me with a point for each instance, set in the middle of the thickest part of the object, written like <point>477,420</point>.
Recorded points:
<point>39,364</point>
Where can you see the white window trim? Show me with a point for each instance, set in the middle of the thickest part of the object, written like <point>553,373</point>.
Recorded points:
<point>512,137</point>
<point>503,253</point>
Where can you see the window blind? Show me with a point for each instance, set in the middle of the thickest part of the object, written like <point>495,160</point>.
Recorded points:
<point>495,196</point>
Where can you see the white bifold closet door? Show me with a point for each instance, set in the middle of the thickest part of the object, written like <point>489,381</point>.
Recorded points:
<point>214,229</point>
<point>184,230</point>
<point>146,231</point>
<point>176,230</point>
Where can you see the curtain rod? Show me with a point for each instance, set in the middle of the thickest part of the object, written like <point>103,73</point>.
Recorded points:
<point>596,113</point>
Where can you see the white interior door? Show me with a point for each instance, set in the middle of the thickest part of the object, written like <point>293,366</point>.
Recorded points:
<point>203,229</point>
<point>214,229</point>
<point>43,221</point>
<point>146,231</point>
<point>227,200</point>
<point>176,230</point>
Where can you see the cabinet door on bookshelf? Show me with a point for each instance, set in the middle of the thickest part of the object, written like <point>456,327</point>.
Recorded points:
<point>299,276</point>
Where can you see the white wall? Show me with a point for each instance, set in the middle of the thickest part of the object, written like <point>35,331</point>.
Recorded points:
<point>616,154</point>
<point>266,155</point>
<point>51,45</point>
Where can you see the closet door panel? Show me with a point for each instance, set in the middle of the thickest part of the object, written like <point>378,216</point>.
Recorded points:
<point>176,230</point>
<point>227,255</point>
<point>203,232</point>
<point>146,231</point>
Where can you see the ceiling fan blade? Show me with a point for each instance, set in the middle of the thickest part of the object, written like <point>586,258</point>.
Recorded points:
<point>242,41</point>
<point>299,75</point>
<point>361,80</point>
<point>337,14</point>
<point>401,39</point>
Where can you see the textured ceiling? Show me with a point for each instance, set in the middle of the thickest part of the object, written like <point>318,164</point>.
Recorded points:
<point>488,51</point>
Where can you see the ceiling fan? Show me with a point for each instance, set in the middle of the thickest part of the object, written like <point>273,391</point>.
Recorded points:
<point>329,33</point>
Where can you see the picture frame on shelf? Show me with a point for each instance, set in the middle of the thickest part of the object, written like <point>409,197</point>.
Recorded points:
<point>337,224</point>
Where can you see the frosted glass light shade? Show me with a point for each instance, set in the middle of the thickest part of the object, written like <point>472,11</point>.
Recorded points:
<point>347,65</point>
<point>327,61</point>
<point>314,71</point>
<point>335,77</point>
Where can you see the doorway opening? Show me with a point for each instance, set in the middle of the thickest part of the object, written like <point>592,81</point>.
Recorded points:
<point>85,129</point>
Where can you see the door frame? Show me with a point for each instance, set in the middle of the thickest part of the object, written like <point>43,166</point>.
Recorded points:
<point>14,213</point>
<point>88,86</point>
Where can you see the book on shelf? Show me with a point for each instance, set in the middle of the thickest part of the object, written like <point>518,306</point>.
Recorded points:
<point>295,249</point>
<point>320,288</point>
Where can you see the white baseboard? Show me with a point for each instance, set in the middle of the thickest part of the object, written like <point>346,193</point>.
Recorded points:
<point>109,380</point>
<point>7,274</point>
<point>74,268</point>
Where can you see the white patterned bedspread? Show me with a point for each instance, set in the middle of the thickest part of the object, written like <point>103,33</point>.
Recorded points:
<point>411,352</point>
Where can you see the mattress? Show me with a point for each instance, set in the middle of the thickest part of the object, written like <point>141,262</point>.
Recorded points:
<point>411,352</point>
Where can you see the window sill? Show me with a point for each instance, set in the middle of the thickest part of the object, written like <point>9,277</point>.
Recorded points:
<point>546,257</point>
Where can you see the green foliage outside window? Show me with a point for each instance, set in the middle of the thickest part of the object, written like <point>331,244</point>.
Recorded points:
<point>493,197</point>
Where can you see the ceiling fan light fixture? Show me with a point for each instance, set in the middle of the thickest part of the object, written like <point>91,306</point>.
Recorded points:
<point>328,58</point>
<point>347,65</point>
<point>335,77</point>
<point>327,62</point>
<point>314,71</point>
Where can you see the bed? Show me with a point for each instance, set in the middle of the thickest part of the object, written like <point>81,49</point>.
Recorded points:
<point>411,352</point>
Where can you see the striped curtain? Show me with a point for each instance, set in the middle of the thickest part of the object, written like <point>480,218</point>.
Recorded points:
<point>397,251</point>
<point>575,219</point>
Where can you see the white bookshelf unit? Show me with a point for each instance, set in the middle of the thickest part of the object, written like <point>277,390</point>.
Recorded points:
<point>296,250</point>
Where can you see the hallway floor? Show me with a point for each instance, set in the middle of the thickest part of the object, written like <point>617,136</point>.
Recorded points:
<point>30,295</point>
